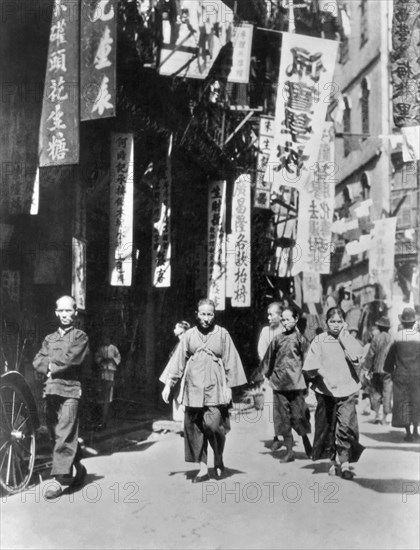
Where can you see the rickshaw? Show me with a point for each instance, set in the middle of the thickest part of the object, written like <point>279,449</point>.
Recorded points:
<point>19,421</point>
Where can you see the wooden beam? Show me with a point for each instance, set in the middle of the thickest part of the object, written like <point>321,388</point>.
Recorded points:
<point>244,121</point>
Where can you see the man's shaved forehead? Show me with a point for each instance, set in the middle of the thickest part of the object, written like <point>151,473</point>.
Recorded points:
<point>64,301</point>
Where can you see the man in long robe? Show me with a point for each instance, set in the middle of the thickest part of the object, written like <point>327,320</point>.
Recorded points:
<point>208,365</point>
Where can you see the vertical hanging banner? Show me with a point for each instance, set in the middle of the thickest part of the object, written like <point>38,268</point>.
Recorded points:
<point>305,83</point>
<point>121,209</point>
<point>311,288</point>
<point>312,252</point>
<point>405,69</point>
<point>161,254</point>
<point>241,230</point>
<point>381,255</point>
<point>59,128</point>
<point>98,48</point>
<point>78,287</point>
<point>265,144</point>
<point>216,251</point>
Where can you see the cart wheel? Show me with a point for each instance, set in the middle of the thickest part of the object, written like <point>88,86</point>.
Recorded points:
<point>17,440</point>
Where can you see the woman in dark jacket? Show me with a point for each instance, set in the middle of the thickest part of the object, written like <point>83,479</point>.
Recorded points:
<point>282,366</point>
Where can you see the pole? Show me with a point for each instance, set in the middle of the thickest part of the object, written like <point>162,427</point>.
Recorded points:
<point>292,27</point>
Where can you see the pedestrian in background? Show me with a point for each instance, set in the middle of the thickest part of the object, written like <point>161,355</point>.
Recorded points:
<point>267,334</point>
<point>331,363</point>
<point>380,383</point>
<point>107,357</point>
<point>282,366</point>
<point>61,358</point>
<point>209,365</point>
<point>403,363</point>
<point>177,409</point>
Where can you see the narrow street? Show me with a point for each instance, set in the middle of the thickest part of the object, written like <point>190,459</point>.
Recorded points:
<point>141,496</point>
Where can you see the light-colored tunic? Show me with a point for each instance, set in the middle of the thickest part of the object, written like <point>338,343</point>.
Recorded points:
<point>209,365</point>
<point>326,356</point>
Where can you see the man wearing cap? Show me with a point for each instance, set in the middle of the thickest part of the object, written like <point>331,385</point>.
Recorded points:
<point>403,363</point>
<point>380,387</point>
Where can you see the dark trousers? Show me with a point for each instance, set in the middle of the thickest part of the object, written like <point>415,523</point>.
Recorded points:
<point>203,426</point>
<point>63,425</point>
<point>336,429</point>
<point>380,392</point>
<point>290,411</point>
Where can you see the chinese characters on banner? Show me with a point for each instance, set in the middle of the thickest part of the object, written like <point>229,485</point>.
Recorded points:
<point>98,35</point>
<point>161,254</point>
<point>59,128</point>
<point>381,255</point>
<point>216,251</point>
<point>10,285</point>
<point>241,230</point>
<point>316,208</point>
<point>405,64</point>
<point>265,143</point>
<point>304,86</point>
<point>121,210</point>
<point>311,288</point>
<point>193,39</point>
<point>78,286</point>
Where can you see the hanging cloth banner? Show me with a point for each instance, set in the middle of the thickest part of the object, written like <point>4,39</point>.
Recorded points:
<point>305,83</point>
<point>265,144</point>
<point>405,63</point>
<point>312,252</point>
<point>311,288</point>
<point>121,209</point>
<point>216,239</point>
<point>98,49</point>
<point>78,287</point>
<point>161,254</point>
<point>59,128</point>
<point>194,36</point>
<point>381,255</point>
<point>241,231</point>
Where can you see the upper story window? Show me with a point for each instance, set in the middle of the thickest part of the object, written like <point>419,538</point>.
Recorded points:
<point>363,23</point>
<point>364,100</point>
<point>347,126</point>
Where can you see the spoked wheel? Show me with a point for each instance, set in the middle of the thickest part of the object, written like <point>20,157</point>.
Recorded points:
<point>17,439</point>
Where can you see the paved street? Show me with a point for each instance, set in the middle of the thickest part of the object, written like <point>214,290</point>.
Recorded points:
<point>141,496</point>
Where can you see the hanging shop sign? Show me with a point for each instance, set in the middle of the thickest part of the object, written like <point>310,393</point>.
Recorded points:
<point>381,255</point>
<point>312,252</point>
<point>98,48</point>
<point>10,285</point>
<point>311,287</point>
<point>265,143</point>
<point>216,247</point>
<point>405,63</point>
<point>304,87</point>
<point>161,254</point>
<point>59,128</point>
<point>194,36</point>
<point>241,231</point>
<point>78,287</point>
<point>121,209</point>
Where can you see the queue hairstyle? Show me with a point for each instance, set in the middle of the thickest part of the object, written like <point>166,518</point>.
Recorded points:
<point>335,311</point>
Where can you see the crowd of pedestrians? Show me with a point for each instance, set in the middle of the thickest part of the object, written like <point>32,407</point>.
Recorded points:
<point>205,365</point>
